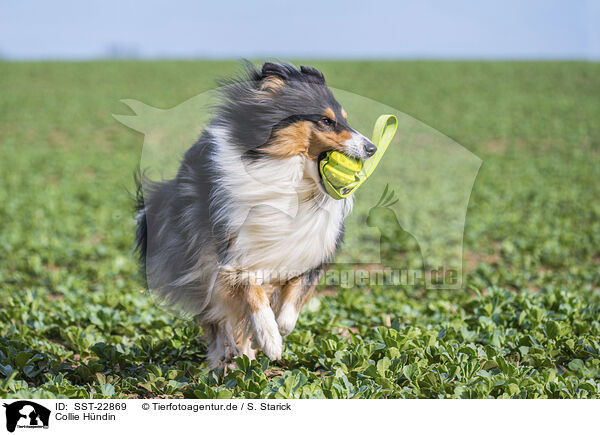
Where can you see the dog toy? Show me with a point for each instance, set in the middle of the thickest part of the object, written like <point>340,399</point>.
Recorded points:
<point>342,175</point>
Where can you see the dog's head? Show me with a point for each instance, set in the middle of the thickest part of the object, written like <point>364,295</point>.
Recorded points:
<point>284,111</point>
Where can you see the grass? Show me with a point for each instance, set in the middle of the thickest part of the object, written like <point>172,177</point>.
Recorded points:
<point>75,322</point>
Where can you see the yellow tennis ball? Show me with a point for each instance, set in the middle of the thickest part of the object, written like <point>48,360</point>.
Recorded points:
<point>341,175</point>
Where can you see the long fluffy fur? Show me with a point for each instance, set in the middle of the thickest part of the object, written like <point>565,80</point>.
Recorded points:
<point>241,235</point>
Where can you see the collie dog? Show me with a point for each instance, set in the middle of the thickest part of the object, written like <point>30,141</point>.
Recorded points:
<point>242,234</point>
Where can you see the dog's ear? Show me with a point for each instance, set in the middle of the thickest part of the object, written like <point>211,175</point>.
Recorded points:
<point>315,74</point>
<point>270,69</point>
<point>273,77</point>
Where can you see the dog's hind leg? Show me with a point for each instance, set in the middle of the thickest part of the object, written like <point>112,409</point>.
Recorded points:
<point>221,348</point>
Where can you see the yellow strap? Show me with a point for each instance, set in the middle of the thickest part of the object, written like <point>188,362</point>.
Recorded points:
<point>383,133</point>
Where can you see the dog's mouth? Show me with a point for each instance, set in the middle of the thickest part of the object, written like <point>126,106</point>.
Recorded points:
<point>321,157</point>
<point>321,182</point>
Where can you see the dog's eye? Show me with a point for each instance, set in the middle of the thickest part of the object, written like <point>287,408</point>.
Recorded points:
<point>326,121</point>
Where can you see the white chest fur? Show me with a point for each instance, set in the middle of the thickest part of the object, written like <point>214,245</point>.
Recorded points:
<point>280,221</point>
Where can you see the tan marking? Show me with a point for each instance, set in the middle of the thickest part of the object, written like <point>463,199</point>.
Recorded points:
<point>344,114</point>
<point>290,141</point>
<point>294,292</point>
<point>291,293</point>
<point>231,284</point>
<point>326,140</point>
<point>256,298</point>
<point>308,294</point>
<point>237,285</point>
<point>272,84</point>
<point>303,138</point>
<point>329,113</point>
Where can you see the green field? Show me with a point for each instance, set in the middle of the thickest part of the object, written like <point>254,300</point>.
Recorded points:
<point>75,322</point>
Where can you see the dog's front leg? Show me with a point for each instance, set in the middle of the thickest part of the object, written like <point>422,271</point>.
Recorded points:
<point>247,306</point>
<point>262,322</point>
<point>294,294</point>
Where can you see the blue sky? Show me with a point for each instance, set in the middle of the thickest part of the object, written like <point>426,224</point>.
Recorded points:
<point>434,29</point>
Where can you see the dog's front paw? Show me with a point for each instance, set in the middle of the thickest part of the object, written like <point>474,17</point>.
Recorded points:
<point>266,333</point>
<point>273,347</point>
<point>286,319</point>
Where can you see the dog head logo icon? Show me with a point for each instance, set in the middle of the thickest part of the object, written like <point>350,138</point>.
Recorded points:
<point>26,414</point>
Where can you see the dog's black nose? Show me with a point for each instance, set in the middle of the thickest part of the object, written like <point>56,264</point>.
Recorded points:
<point>370,149</point>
